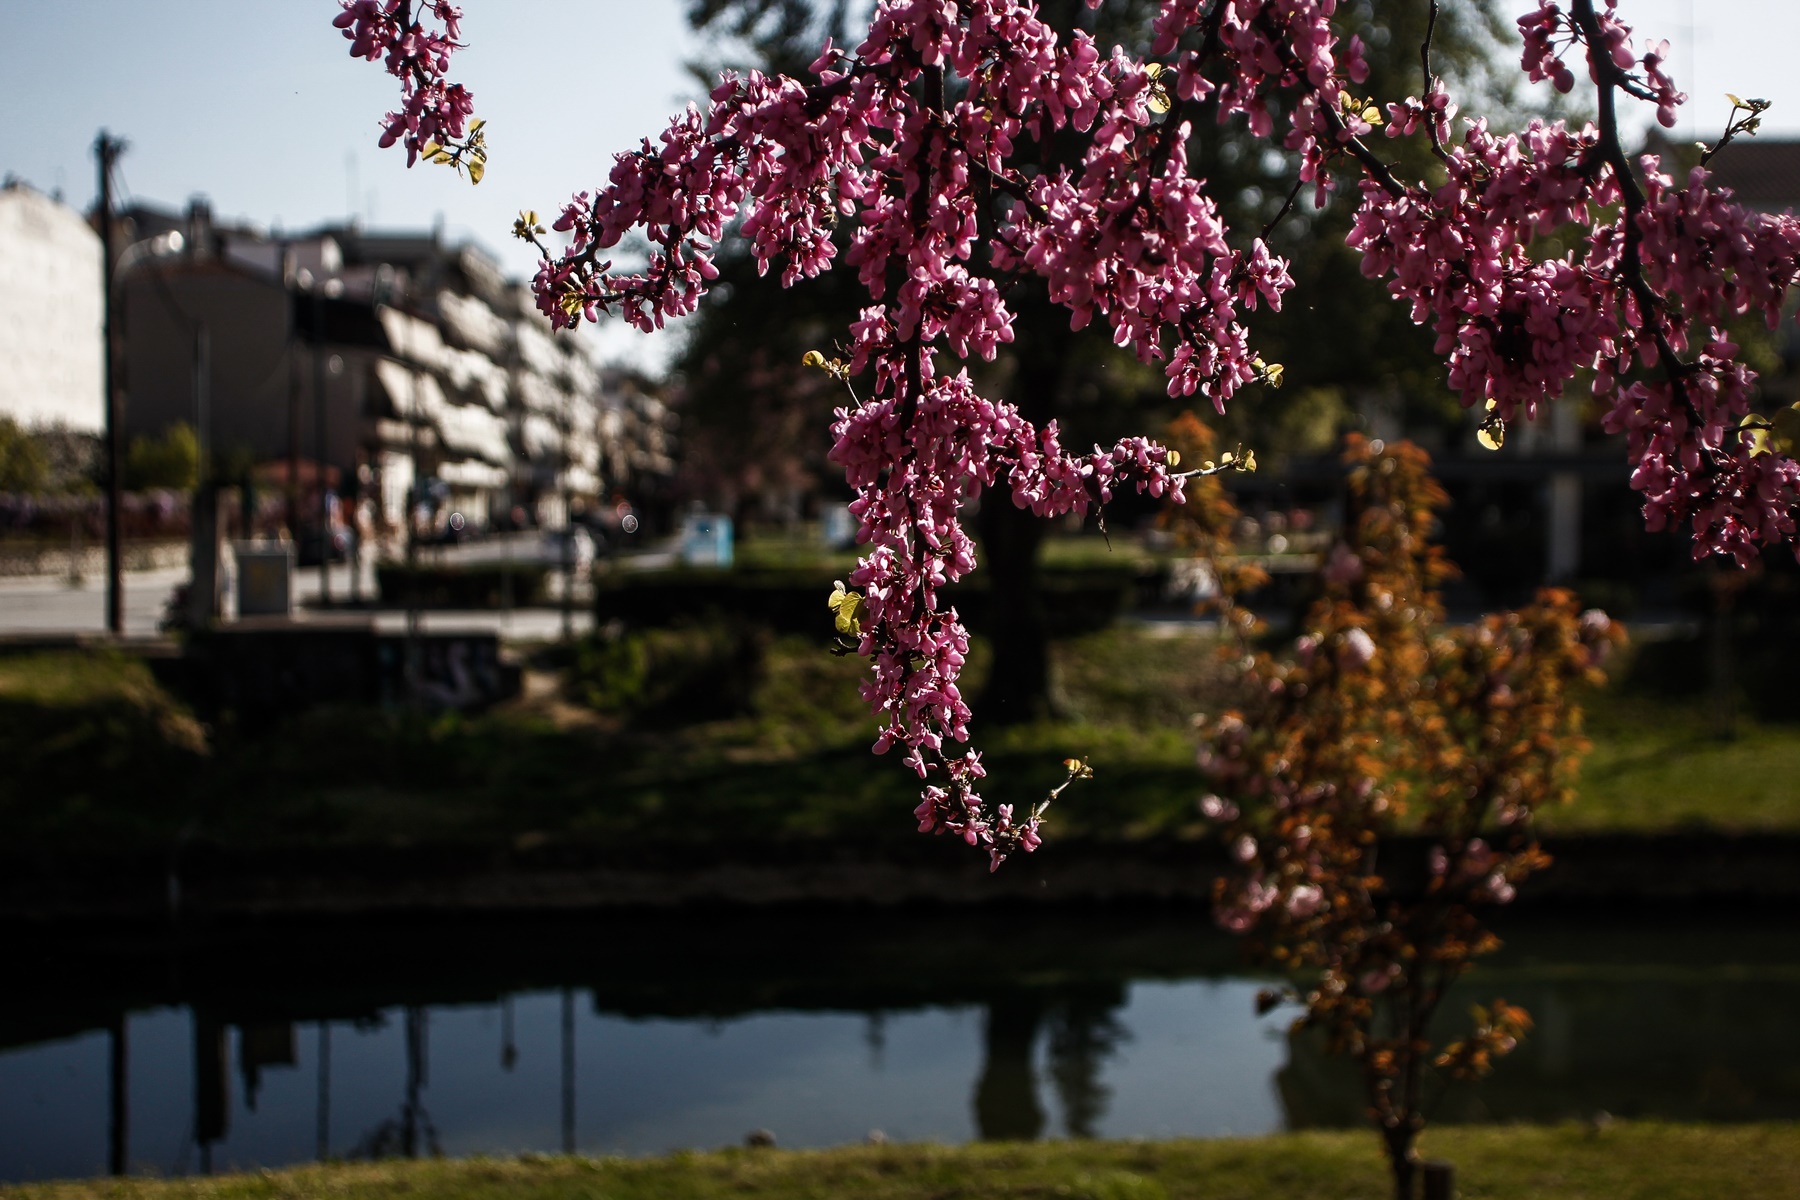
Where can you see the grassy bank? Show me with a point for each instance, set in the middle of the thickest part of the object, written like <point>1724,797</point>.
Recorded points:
<point>1633,1161</point>
<point>99,754</point>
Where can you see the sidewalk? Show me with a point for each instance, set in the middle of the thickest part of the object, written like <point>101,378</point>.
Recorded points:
<point>40,604</point>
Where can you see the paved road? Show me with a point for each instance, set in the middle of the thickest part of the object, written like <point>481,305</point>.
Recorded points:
<point>45,605</point>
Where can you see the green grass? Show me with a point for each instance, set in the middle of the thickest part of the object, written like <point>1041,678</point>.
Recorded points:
<point>1628,1161</point>
<point>93,748</point>
<point>1662,765</point>
<point>98,754</point>
<point>773,550</point>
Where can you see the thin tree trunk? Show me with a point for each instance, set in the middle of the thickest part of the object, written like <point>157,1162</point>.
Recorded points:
<point>1399,1142</point>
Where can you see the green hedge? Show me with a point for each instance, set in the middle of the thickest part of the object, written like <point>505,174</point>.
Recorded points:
<point>1076,602</point>
<point>476,585</point>
<point>677,675</point>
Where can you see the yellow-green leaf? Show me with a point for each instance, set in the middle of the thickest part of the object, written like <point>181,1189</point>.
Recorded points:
<point>847,607</point>
<point>1492,434</point>
<point>1156,97</point>
<point>477,168</point>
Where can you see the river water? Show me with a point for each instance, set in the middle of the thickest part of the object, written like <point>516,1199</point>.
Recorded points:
<point>176,1052</point>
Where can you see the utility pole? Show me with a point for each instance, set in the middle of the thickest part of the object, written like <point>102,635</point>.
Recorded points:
<point>290,281</point>
<point>319,451</point>
<point>106,152</point>
<point>203,519</point>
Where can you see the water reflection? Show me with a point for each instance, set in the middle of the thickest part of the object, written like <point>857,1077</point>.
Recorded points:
<point>1680,1044</point>
<point>1080,1029</point>
<point>410,1131</point>
<point>265,1046</point>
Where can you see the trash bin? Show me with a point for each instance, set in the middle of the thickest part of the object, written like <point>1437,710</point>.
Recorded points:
<point>265,578</point>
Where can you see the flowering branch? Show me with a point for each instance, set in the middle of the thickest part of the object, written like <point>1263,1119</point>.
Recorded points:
<point>949,198</point>
<point>434,116</point>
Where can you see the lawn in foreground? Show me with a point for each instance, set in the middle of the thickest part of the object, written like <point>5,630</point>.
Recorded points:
<point>1623,1161</point>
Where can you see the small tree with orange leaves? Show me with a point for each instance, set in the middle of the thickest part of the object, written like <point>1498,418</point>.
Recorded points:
<point>1386,719</point>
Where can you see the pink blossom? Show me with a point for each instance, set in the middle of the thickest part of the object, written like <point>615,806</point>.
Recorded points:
<point>1127,237</point>
<point>1215,809</point>
<point>432,110</point>
<point>1304,901</point>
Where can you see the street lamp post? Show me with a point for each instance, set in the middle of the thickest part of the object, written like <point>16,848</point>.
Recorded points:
<point>319,450</point>
<point>106,152</point>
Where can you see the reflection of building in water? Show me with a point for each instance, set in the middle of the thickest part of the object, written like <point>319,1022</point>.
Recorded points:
<point>1690,1018</point>
<point>1083,1032</point>
<point>263,1044</point>
<point>212,1086</point>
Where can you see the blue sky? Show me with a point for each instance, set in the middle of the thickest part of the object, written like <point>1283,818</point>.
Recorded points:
<point>258,105</point>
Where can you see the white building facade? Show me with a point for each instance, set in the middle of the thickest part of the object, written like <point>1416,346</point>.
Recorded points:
<point>51,355</point>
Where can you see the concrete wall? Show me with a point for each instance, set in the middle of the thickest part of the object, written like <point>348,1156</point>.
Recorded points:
<point>51,359</point>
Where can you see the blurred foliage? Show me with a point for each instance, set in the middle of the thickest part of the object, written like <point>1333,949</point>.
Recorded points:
<point>682,675</point>
<point>171,460</point>
<point>24,467</point>
<point>1386,718</point>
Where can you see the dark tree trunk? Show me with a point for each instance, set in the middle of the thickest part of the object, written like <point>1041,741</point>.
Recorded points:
<point>1018,686</point>
<point>1399,1141</point>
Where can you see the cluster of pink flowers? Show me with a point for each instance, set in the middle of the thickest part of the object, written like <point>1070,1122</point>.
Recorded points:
<point>1640,301</point>
<point>432,110</point>
<point>910,139</point>
<point>912,477</point>
<point>1142,246</point>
